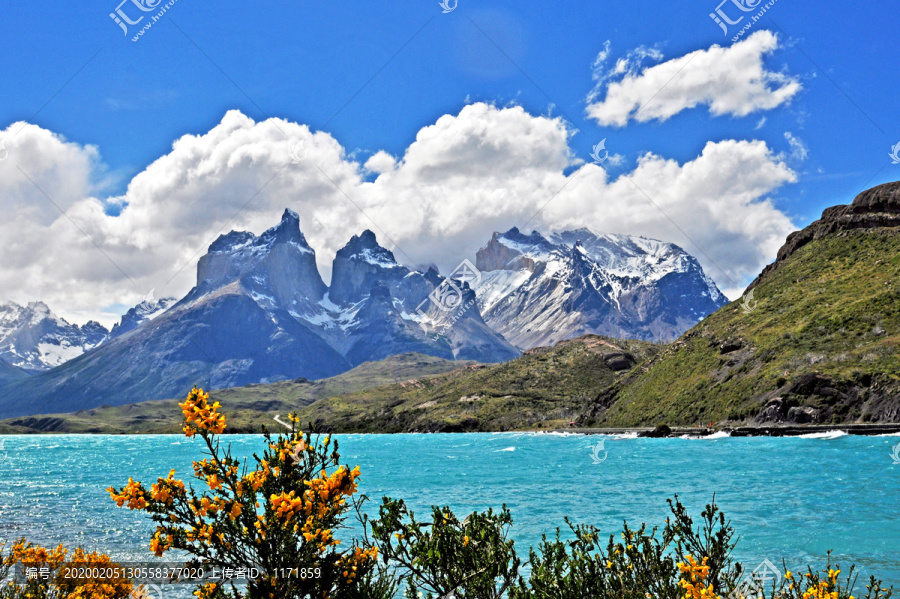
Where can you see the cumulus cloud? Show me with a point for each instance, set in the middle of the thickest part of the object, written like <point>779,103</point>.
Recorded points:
<point>380,162</point>
<point>465,176</point>
<point>732,80</point>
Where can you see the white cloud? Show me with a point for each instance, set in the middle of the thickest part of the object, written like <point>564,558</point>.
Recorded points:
<point>629,65</point>
<point>730,80</point>
<point>799,150</point>
<point>463,177</point>
<point>380,162</point>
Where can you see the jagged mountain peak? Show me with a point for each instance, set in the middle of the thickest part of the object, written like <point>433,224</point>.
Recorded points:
<point>365,247</point>
<point>287,231</point>
<point>277,266</point>
<point>359,266</point>
<point>531,241</point>
<point>513,250</point>
<point>143,312</point>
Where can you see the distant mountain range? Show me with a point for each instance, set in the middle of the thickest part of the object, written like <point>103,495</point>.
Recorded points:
<point>260,312</point>
<point>35,339</point>
<point>813,341</point>
<point>537,291</point>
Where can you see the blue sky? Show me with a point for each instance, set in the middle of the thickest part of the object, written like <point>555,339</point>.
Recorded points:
<point>373,75</point>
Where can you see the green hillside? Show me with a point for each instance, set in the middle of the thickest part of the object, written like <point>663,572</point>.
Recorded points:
<point>545,388</point>
<point>820,345</point>
<point>248,407</point>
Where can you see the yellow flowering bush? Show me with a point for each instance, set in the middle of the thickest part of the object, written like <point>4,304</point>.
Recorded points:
<point>59,584</point>
<point>694,577</point>
<point>278,512</point>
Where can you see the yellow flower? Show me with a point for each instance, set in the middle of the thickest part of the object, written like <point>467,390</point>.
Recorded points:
<point>199,415</point>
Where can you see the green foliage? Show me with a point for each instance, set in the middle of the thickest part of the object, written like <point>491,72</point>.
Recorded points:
<point>279,512</point>
<point>832,309</point>
<point>472,558</point>
<point>641,563</point>
<point>445,558</point>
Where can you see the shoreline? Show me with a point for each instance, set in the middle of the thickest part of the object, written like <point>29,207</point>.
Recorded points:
<point>643,432</point>
<point>747,431</point>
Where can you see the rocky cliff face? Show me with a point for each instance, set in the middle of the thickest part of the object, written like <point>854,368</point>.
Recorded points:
<point>361,265</point>
<point>878,207</point>
<point>278,266</point>
<point>539,290</point>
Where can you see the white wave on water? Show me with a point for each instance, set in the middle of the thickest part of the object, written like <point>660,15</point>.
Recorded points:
<point>712,437</point>
<point>825,435</point>
<point>623,436</point>
<point>507,449</point>
<point>888,435</point>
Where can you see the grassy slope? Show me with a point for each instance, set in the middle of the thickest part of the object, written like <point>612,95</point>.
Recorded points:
<point>832,309</point>
<point>545,388</point>
<point>247,407</point>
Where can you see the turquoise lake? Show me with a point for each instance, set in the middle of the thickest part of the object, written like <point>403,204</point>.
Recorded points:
<point>790,498</point>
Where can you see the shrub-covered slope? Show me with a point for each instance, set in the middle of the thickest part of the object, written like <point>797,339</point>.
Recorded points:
<point>816,342</point>
<point>545,388</point>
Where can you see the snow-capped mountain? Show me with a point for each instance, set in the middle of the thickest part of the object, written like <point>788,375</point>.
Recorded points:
<point>538,290</point>
<point>384,309</point>
<point>32,337</point>
<point>145,311</point>
<point>260,312</point>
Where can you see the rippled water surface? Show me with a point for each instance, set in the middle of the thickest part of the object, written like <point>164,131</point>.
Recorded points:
<point>791,498</point>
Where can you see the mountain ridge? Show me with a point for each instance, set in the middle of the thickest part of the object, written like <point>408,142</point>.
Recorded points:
<point>258,313</point>
<point>538,290</point>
